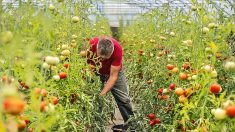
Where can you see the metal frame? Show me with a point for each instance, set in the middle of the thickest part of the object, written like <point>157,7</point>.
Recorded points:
<point>131,8</point>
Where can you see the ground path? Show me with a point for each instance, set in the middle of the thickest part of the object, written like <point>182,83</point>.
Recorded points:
<point>118,120</point>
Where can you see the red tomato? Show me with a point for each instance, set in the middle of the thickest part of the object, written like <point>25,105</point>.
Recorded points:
<point>188,92</point>
<point>172,86</point>
<point>54,100</point>
<point>230,110</point>
<point>21,124</point>
<point>44,92</point>
<point>170,90</point>
<point>4,78</point>
<point>186,65</point>
<point>66,65</point>
<point>160,91</point>
<point>215,88</point>
<point>27,121</point>
<point>63,75</point>
<point>170,66</point>
<point>22,117</point>
<point>157,121</point>
<point>13,105</point>
<point>183,76</point>
<point>42,106</point>
<point>141,52</point>
<point>30,130</point>
<point>22,84</point>
<point>165,97</point>
<point>151,116</point>
<point>151,123</point>
<point>37,91</point>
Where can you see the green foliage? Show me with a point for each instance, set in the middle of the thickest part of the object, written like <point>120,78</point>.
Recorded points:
<point>40,32</point>
<point>160,35</point>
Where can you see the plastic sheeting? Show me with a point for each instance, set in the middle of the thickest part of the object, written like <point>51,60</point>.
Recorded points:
<point>127,10</point>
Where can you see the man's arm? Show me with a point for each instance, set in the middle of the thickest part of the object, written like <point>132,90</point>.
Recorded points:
<point>112,79</point>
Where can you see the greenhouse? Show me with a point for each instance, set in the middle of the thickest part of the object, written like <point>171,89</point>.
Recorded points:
<point>117,65</point>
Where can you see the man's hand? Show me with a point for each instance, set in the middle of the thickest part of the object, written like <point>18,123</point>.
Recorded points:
<point>102,94</point>
<point>112,80</point>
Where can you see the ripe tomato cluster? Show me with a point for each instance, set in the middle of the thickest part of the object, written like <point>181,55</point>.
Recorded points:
<point>43,94</point>
<point>152,120</point>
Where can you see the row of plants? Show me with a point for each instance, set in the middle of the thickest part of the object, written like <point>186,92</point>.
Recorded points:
<point>46,83</point>
<point>180,69</point>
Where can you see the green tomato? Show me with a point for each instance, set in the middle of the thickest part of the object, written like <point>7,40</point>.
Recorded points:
<point>219,114</point>
<point>75,19</point>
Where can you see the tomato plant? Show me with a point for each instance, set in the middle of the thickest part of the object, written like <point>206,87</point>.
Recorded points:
<point>172,47</point>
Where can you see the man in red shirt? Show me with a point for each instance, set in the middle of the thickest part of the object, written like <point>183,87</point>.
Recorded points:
<point>107,54</point>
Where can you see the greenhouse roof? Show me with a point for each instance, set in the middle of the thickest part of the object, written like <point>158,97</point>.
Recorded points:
<point>129,9</point>
<point>113,10</point>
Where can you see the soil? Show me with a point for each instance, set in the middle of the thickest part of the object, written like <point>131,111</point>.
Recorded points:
<point>118,120</point>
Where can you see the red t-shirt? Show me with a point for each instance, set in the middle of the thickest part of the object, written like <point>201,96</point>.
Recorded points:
<point>114,60</point>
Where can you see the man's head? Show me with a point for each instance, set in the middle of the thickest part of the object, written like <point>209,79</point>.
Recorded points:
<point>105,48</point>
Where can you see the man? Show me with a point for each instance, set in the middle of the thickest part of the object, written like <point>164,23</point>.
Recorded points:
<point>109,53</point>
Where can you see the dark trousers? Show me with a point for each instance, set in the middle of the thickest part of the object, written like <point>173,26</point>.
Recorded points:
<point>120,94</point>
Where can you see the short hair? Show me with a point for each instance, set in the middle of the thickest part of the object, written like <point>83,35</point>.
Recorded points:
<point>105,46</point>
